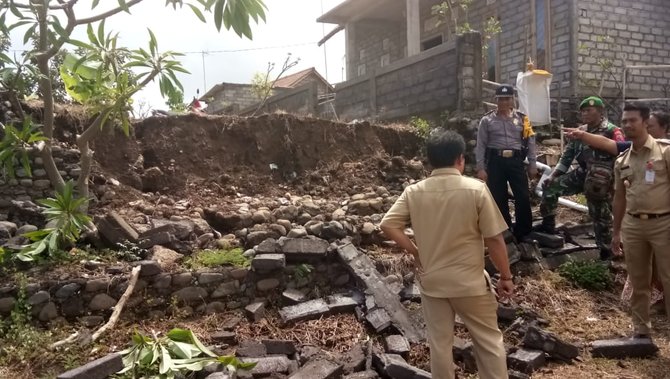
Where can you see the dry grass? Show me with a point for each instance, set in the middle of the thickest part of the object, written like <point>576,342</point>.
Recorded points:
<point>575,315</point>
<point>337,333</point>
<point>581,317</point>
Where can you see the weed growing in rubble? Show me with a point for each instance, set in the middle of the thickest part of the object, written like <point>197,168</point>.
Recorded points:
<point>20,340</point>
<point>65,213</point>
<point>302,271</point>
<point>222,257</point>
<point>130,252</point>
<point>590,275</point>
<point>420,125</point>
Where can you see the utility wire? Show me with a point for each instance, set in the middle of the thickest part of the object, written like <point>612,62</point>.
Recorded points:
<point>223,51</point>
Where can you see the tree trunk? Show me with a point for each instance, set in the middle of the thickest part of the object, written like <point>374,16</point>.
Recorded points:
<point>46,88</point>
<point>86,154</point>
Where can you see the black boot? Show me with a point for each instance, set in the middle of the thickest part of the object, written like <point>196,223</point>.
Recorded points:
<point>606,254</point>
<point>548,225</point>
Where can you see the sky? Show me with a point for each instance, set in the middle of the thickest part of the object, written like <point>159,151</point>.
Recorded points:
<point>213,57</point>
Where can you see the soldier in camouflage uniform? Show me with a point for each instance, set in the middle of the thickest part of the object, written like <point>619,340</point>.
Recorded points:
<point>593,176</point>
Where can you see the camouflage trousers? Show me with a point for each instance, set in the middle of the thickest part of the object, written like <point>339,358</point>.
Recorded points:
<point>600,211</point>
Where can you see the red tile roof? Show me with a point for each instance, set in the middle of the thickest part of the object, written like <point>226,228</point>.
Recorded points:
<point>294,80</point>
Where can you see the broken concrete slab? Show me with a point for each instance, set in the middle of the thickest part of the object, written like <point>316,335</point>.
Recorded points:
<point>508,314</point>
<point>268,365</point>
<point>411,292</point>
<point>339,303</point>
<point>252,349</point>
<point>547,240</point>
<point>162,238</point>
<point>115,230</point>
<point>269,246</point>
<point>255,311</point>
<point>550,344</point>
<point>182,230</point>
<point>395,367</point>
<point>362,267</point>
<point>517,375</point>
<point>576,229</point>
<point>227,337</point>
<point>567,249</point>
<point>526,360</point>
<point>381,360</point>
<point>396,344</point>
<point>379,319</point>
<point>265,263</point>
<point>319,369</point>
<point>367,374</point>
<point>463,352</point>
<point>513,253</point>
<point>354,360</point>
<point>303,249</point>
<point>293,296</point>
<point>100,368</point>
<point>624,348</point>
<point>530,251</point>
<point>308,310</point>
<point>279,347</point>
<point>554,262</point>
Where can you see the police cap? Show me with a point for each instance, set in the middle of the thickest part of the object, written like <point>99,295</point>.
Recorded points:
<point>505,90</point>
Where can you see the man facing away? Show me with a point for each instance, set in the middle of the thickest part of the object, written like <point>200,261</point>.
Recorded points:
<point>642,212</point>
<point>454,218</point>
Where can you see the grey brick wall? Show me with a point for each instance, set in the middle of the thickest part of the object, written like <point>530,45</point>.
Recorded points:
<point>232,98</point>
<point>301,100</point>
<point>446,77</point>
<point>374,40</point>
<point>640,29</point>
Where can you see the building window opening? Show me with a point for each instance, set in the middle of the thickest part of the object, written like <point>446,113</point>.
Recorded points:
<point>431,43</point>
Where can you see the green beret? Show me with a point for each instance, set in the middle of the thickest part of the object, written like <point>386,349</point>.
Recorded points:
<point>592,101</point>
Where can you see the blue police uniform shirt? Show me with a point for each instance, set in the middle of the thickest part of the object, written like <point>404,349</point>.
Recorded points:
<point>623,146</point>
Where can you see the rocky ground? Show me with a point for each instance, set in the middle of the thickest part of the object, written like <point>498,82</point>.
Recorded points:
<point>195,183</point>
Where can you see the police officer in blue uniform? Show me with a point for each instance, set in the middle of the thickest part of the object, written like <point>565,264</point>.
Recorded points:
<point>504,140</point>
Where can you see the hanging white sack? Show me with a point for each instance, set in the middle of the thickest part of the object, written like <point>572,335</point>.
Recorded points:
<point>533,90</point>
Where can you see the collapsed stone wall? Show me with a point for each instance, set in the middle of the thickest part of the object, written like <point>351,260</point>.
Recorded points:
<point>89,298</point>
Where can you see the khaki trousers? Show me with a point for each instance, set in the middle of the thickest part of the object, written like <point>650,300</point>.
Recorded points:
<point>644,241</point>
<point>479,313</point>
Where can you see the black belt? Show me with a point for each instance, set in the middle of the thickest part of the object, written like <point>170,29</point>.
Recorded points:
<point>505,153</point>
<point>647,216</point>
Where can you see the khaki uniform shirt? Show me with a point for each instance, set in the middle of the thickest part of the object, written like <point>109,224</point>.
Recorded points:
<point>630,170</point>
<point>451,215</point>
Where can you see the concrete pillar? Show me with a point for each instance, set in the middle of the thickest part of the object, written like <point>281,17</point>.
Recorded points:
<point>350,51</point>
<point>413,27</point>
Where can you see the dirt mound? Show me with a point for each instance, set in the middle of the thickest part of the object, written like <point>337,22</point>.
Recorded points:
<point>254,155</point>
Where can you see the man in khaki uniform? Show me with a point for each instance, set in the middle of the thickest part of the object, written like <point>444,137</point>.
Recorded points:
<point>454,218</point>
<point>642,212</point>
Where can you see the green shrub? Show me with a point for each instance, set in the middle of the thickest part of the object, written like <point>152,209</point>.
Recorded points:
<point>421,126</point>
<point>590,275</point>
<point>222,257</point>
<point>66,213</point>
